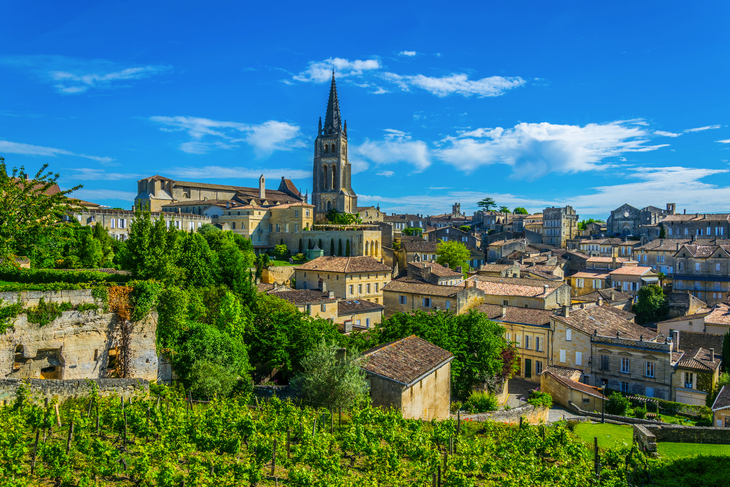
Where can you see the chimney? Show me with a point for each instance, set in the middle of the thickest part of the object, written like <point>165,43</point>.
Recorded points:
<point>566,310</point>
<point>676,339</point>
<point>504,312</point>
<point>458,269</point>
<point>599,301</point>
<point>545,288</point>
<point>262,188</point>
<point>322,285</point>
<point>712,355</point>
<point>331,295</point>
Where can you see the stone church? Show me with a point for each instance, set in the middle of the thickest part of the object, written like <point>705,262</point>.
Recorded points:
<point>332,171</point>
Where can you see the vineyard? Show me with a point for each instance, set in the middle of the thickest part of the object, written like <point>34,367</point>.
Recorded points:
<point>169,441</point>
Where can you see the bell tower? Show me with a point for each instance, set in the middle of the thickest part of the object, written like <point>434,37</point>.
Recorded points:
<point>331,170</point>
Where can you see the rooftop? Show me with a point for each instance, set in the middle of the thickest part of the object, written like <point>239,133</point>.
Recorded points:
<point>605,321</point>
<point>437,269</point>
<point>363,263</point>
<point>608,295</point>
<point>419,246</point>
<point>719,315</point>
<point>354,306</point>
<point>699,359</point>
<point>304,296</point>
<point>512,286</point>
<point>722,400</point>
<point>413,286</point>
<point>405,361</point>
<point>632,271</point>
<point>527,316</point>
<point>578,386</point>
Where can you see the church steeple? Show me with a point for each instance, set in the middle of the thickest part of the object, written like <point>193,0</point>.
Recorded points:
<point>332,122</point>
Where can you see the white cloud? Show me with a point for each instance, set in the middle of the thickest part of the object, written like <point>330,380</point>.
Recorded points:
<point>89,174</point>
<point>700,129</point>
<point>220,172</point>
<point>407,53</point>
<point>536,149</point>
<point>456,84</point>
<point>104,194</point>
<point>37,150</point>
<point>74,75</point>
<point>397,146</point>
<point>321,71</point>
<point>387,174</point>
<point>662,133</point>
<point>727,141</point>
<point>265,138</point>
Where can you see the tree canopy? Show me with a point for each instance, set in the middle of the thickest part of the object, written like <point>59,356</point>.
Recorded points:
<point>520,211</point>
<point>504,209</point>
<point>334,216</point>
<point>412,231</point>
<point>651,306</point>
<point>486,204</point>
<point>455,254</point>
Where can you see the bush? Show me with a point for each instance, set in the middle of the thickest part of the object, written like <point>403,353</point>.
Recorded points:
<point>208,379</point>
<point>281,250</point>
<point>640,412</point>
<point>540,399</point>
<point>481,402</point>
<point>617,404</point>
<point>44,276</point>
<point>455,406</point>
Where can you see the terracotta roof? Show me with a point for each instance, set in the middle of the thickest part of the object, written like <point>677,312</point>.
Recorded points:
<point>501,243</point>
<point>699,359</point>
<point>419,246</point>
<point>289,185</point>
<point>578,386</point>
<point>437,269</point>
<point>697,217</point>
<point>527,316</point>
<point>405,361</point>
<point>495,267</point>
<point>687,317</point>
<point>52,189</point>
<point>607,260</point>
<point>264,286</point>
<point>353,306</point>
<point>664,244</point>
<point>540,274</point>
<point>512,286</point>
<point>567,372</point>
<point>722,400</point>
<point>591,274</point>
<point>363,263</point>
<point>704,251</point>
<point>720,315</point>
<point>405,285</point>
<point>304,296</point>
<point>606,295</point>
<point>606,320</point>
<point>541,268</point>
<point>632,271</point>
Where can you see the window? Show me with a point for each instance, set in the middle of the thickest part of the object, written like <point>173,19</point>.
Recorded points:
<point>113,223</point>
<point>296,213</point>
<point>578,358</point>
<point>296,228</point>
<point>367,322</point>
<point>233,225</point>
<point>518,340</point>
<point>650,369</point>
<point>579,283</point>
<point>359,289</point>
<point>605,362</point>
<point>505,303</point>
<point>538,345</point>
<point>401,299</point>
<point>277,227</point>
<point>509,336</point>
<point>426,302</point>
<point>358,322</point>
<point>306,213</point>
<point>309,309</point>
<point>717,267</point>
<point>625,365</point>
<point>323,307</point>
<point>568,334</point>
<point>689,380</point>
<point>122,223</point>
<point>586,400</point>
<point>448,304</point>
<point>538,367</point>
<point>368,288</point>
<point>625,387</point>
<point>562,356</point>
<point>597,284</point>
<point>352,289</point>
<point>709,231</point>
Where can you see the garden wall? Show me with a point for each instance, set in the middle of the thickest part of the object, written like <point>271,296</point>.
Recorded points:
<point>66,389</point>
<point>532,414</point>
<point>278,274</point>
<point>649,435</point>
<point>612,417</point>
<point>31,298</point>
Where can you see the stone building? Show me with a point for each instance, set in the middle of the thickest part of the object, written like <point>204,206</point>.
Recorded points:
<point>370,214</point>
<point>696,374</point>
<point>499,270</point>
<point>500,249</point>
<point>332,171</point>
<point>589,281</point>
<point>703,270</point>
<point>358,314</point>
<point>453,234</point>
<point>405,295</point>
<point>714,320</point>
<point>609,297</point>
<point>608,247</point>
<point>349,277</point>
<point>559,225</point>
<point>522,293</point>
<point>415,251</point>
<point>76,345</point>
<point>659,254</point>
<point>630,279</point>
<point>565,389</point>
<point>721,408</point>
<point>627,220</point>
<point>118,222</point>
<point>529,331</point>
<point>403,221</point>
<point>412,376</point>
<point>434,273</point>
<point>699,225</point>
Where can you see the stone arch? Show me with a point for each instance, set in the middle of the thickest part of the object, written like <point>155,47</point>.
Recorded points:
<point>326,148</point>
<point>324,176</point>
<point>367,248</point>
<point>329,205</point>
<point>333,148</point>
<point>334,176</point>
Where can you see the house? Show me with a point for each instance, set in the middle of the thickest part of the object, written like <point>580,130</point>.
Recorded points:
<point>683,304</point>
<point>608,247</point>
<point>696,374</point>
<point>610,297</point>
<point>358,314</point>
<point>529,331</point>
<point>714,320</point>
<point>699,225</point>
<point>452,234</point>
<point>405,295</point>
<point>370,214</point>
<point>703,270</point>
<point>315,302</point>
<point>589,281</point>
<point>415,251</point>
<point>502,248</point>
<point>360,277</point>
<point>659,254</point>
<point>412,376</point>
<point>118,222</point>
<point>435,273</point>
<point>559,225</point>
<point>542,271</point>
<point>565,389</point>
<point>721,408</point>
<point>608,263</point>
<point>476,259</point>
<point>499,270</point>
<point>523,293</point>
<point>632,278</point>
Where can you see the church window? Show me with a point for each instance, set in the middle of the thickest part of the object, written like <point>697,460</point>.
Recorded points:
<point>326,148</point>
<point>329,205</point>
<point>333,148</point>
<point>324,177</point>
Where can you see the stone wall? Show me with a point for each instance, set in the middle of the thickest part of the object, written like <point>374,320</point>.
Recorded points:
<point>532,414</point>
<point>612,418</point>
<point>278,275</point>
<point>65,389</point>
<point>31,298</point>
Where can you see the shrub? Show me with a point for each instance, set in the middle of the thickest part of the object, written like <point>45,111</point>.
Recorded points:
<point>571,424</point>
<point>481,402</point>
<point>455,406</point>
<point>540,399</point>
<point>640,412</point>
<point>281,250</point>
<point>46,312</point>
<point>87,307</point>
<point>208,379</point>
<point>617,404</point>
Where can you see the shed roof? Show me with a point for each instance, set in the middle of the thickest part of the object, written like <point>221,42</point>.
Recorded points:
<point>405,361</point>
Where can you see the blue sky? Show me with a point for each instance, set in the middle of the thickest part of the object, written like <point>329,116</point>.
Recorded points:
<point>531,103</point>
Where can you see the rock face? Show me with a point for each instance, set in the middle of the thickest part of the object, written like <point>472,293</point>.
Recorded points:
<point>78,345</point>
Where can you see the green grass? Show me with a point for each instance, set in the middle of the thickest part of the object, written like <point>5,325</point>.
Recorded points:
<point>609,435</point>
<point>684,450</point>
<point>3,283</point>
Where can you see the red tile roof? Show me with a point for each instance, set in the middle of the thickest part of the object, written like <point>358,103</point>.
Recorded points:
<point>405,361</point>
<point>363,263</point>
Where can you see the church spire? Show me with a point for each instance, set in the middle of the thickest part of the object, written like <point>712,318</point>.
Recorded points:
<point>332,121</point>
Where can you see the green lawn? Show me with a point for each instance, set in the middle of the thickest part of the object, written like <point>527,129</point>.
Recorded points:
<point>609,435</point>
<point>3,283</point>
<point>683,450</point>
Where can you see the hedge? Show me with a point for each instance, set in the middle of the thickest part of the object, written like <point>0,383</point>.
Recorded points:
<point>45,276</point>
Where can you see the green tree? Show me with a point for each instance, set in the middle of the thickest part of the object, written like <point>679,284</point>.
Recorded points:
<point>583,223</point>
<point>90,251</point>
<point>281,250</point>
<point>107,244</point>
<point>504,209</point>
<point>617,404</point>
<point>198,260</point>
<point>153,249</point>
<point>465,228</point>
<point>486,204</point>
<point>207,228</point>
<point>31,216</point>
<point>453,254</point>
<point>651,306</point>
<point>233,318</point>
<point>337,218</point>
<point>520,211</point>
<point>328,380</point>
<point>662,231</point>
<point>411,231</point>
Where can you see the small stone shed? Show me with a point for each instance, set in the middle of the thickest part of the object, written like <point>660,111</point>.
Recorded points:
<point>721,408</point>
<point>565,389</point>
<point>411,375</point>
